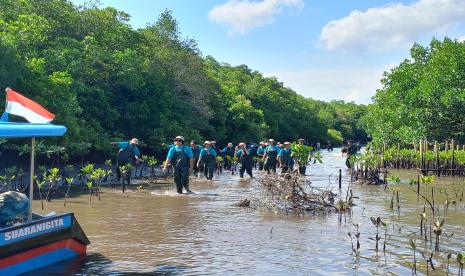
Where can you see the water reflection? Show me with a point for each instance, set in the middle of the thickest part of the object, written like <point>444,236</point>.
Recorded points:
<point>156,232</point>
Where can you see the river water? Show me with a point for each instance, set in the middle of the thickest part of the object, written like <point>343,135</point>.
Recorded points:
<point>157,232</point>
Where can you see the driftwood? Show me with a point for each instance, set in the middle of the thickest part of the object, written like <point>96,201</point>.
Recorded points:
<point>289,194</point>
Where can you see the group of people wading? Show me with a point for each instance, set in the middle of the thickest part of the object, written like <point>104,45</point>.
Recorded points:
<point>195,159</point>
<point>187,160</point>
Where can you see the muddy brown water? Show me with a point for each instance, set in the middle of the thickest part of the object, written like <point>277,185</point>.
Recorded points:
<point>156,232</point>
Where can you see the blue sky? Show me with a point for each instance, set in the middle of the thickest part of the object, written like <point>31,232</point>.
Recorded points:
<point>322,49</point>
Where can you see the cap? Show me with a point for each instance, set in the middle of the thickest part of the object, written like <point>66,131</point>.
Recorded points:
<point>179,138</point>
<point>134,141</point>
<point>207,142</point>
<point>287,143</point>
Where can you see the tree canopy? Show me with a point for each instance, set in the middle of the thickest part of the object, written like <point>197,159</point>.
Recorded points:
<point>106,81</point>
<point>423,97</point>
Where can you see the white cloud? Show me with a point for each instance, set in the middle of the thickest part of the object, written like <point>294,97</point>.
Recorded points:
<point>357,85</point>
<point>461,38</point>
<point>240,16</point>
<point>392,26</point>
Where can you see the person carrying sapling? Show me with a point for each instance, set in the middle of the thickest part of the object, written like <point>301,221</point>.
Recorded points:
<point>207,160</point>
<point>182,159</point>
<point>245,159</point>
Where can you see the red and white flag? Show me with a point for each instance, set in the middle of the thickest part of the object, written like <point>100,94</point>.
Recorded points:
<point>19,105</point>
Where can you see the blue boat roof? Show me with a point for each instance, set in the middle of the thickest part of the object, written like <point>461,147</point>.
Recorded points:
<point>18,130</point>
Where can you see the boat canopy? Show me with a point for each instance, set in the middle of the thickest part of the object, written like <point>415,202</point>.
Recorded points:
<point>18,130</point>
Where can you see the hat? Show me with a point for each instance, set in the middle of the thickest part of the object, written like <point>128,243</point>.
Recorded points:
<point>134,141</point>
<point>207,142</point>
<point>213,142</point>
<point>301,139</point>
<point>271,140</point>
<point>287,143</point>
<point>262,143</point>
<point>179,138</point>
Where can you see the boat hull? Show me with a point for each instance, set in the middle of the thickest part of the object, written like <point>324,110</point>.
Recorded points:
<point>40,243</point>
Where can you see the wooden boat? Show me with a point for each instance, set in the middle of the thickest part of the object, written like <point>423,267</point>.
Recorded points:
<point>41,241</point>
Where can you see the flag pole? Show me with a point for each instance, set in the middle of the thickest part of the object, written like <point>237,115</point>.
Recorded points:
<point>31,182</point>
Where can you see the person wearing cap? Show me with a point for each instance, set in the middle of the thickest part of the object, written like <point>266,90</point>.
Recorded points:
<point>271,155</point>
<point>285,158</point>
<point>228,153</point>
<point>243,154</point>
<point>351,151</point>
<point>216,148</point>
<point>207,160</point>
<point>182,159</point>
<point>196,152</point>
<point>260,154</point>
<point>128,153</point>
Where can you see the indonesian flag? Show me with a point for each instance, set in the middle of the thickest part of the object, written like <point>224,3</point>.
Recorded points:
<point>19,105</point>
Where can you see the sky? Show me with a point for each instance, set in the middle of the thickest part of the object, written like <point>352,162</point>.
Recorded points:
<point>326,50</point>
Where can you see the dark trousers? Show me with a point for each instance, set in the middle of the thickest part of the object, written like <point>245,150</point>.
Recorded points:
<point>208,170</point>
<point>181,178</point>
<point>287,168</point>
<point>260,165</point>
<point>270,166</point>
<point>196,168</point>
<point>245,168</point>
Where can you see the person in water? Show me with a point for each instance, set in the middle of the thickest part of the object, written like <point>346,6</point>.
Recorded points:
<point>243,154</point>
<point>228,153</point>
<point>128,153</point>
<point>271,155</point>
<point>351,151</point>
<point>182,159</point>
<point>285,158</point>
<point>196,152</point>
<point>207,160</point>
<point>260,154</point>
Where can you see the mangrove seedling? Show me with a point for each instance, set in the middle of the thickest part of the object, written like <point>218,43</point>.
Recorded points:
<point>40,184</point>
<point>377,223</point>
<point>413,245</point>
<point>89,185</point>
<point>385,225</point>
<point>357,236</point>
<point>460,260</point>
<point>152,162</point>
<point>449,256</point>
<point>428,257</point>
<point>52,177</point>
<point>69,181</point>
<point>438,231</point>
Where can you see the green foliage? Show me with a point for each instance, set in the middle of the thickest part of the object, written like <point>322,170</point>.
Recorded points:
<point>335,137</point>
<point>105,80</point>
<point>423,97</point>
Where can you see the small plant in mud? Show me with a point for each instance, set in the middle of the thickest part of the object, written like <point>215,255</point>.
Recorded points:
<point>52,177</point>
<point>428,257</point>
<point>377,223</point>
<point>394,179</point>
<point>460,261</point>
<point>427,179</point>
<point>152,162</point>
<point>69,181</point>
<point>385,226</point>
<point>356,249</point>
<point>87,171</point>
<point>40,184</point>
<point>438,231</point>
<point>413,245</point>
<point>125,173</point>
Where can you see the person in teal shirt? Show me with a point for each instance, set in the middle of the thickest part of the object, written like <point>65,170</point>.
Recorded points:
<point>207,160</point>
<point>271,156</point>
<point>285,158</point>
<point>128,153</point>
<point>260,154</point>
<point>243,154</point>
<point>196,152</point>
<point>182,159</point>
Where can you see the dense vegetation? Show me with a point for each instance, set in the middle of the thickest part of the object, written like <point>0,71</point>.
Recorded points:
<point>106,81</point>
<point>423,97</point>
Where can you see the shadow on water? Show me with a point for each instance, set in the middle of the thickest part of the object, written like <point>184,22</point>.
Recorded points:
<point>97,264</point>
